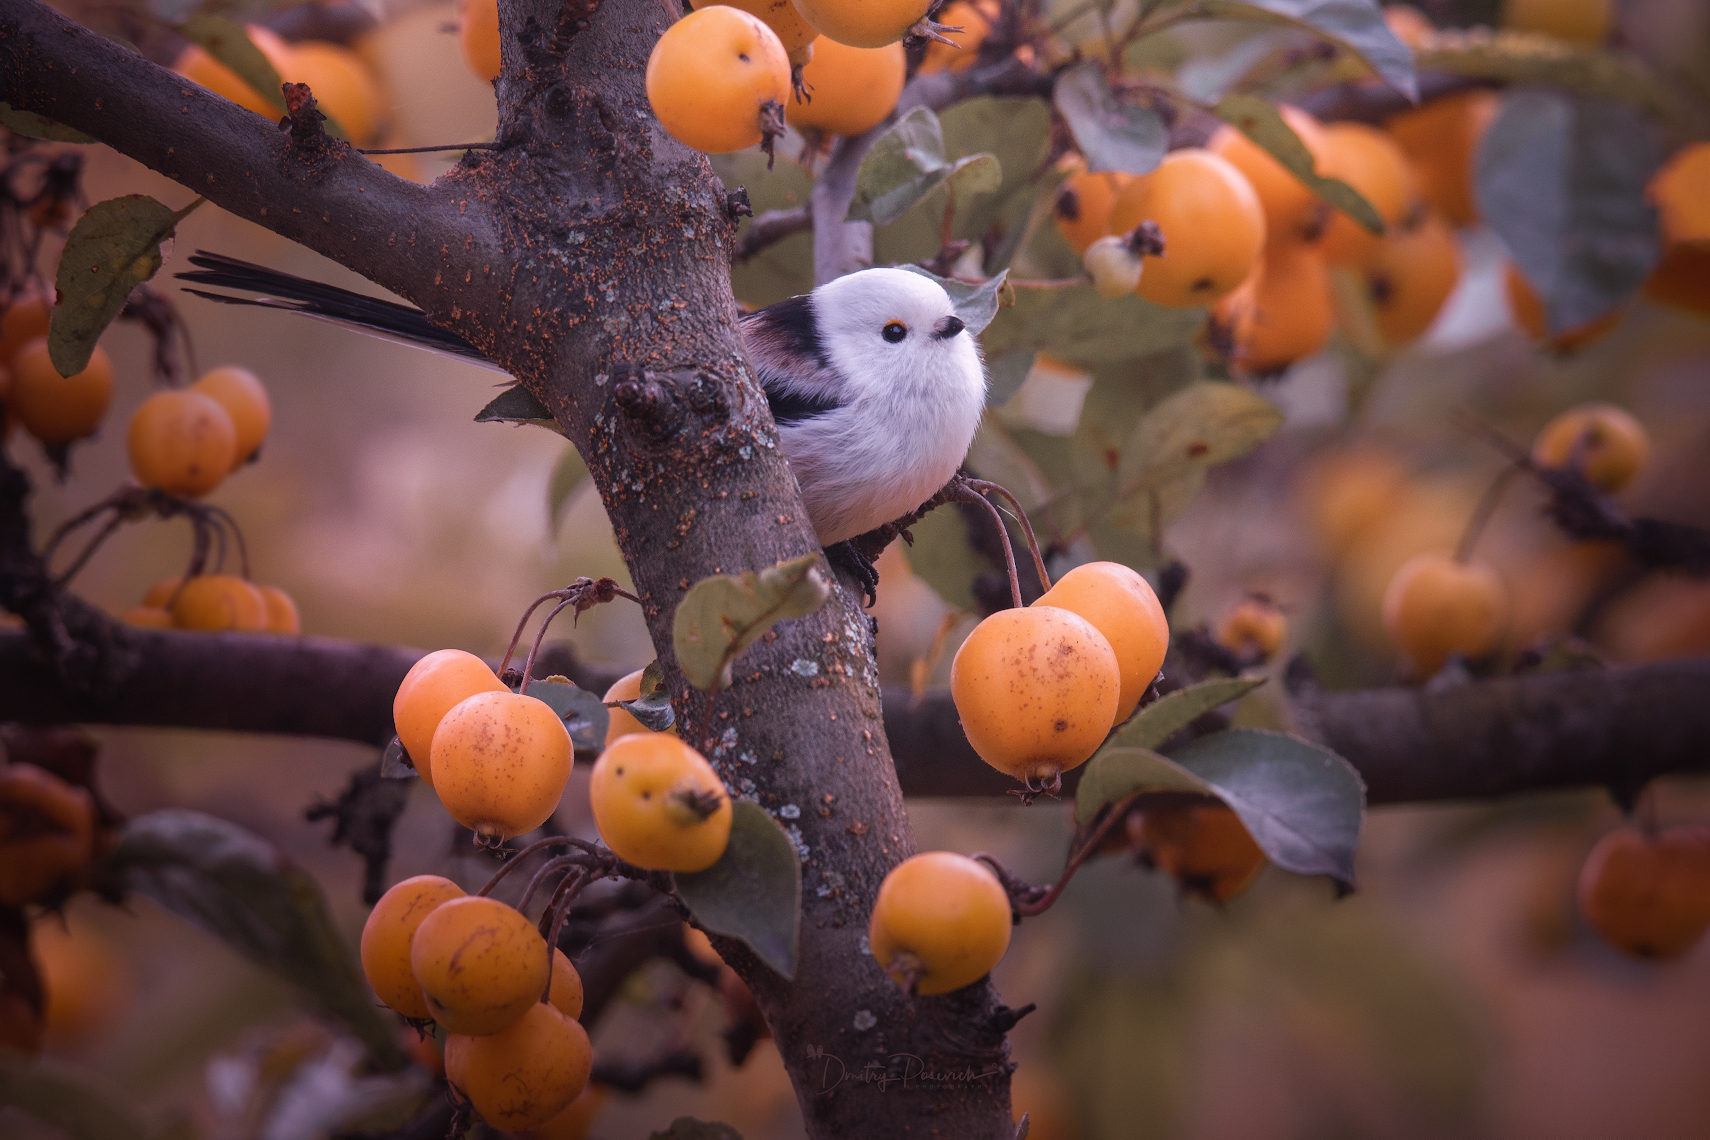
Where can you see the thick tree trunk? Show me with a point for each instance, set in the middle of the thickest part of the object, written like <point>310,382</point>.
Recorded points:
<point>589,255</point>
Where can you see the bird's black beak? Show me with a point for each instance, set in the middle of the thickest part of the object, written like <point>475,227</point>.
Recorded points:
<point>948,327</point>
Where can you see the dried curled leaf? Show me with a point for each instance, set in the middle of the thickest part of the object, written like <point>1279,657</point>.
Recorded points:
<point>722,615</point>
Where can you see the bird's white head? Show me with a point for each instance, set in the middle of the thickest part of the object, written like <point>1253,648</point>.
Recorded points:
<point>884,328</point>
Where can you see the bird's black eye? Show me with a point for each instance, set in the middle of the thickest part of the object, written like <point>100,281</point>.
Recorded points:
<point>895,331</point>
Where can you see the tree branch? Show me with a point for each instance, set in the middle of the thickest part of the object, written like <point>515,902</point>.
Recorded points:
<point>401,235</point>
<point>1616,727</point>
<point>773,226</point>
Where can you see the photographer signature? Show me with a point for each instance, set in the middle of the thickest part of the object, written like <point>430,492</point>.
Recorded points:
<point>899,1069</point>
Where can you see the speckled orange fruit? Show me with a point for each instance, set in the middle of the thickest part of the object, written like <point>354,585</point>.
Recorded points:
<point>1082,207</point>
<point>659,804</point>
<point>863,23</point>
<point>1122,606</point>
<point>1410,276</point>
<point>181,442</point>
<point>1371,162</point>
<point>500,763</point>
<point>941,921</point>
<point>793,31</point>
<point>1287,314</point>
<point>59,409</point>
<point>1037,690</point>
<point>525,1074</point>
<point>481,964</point>
<point>242,395</point>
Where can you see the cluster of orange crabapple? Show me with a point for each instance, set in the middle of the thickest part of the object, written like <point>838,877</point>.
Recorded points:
<point>182,441</point>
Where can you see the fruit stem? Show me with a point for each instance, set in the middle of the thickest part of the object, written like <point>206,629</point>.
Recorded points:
<point>539,636</point>
<point>539,845</point>
<point>547,870</point>
<point>1487,504</point>
<point>557,911</point>
<point>1030,901</point>
<point>986,486</point>
<point>964,492</point>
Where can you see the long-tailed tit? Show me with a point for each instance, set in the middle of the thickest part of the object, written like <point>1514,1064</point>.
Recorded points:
<point>875,382</point>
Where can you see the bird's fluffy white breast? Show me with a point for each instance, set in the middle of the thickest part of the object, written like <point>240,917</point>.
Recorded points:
<point>909,410</point>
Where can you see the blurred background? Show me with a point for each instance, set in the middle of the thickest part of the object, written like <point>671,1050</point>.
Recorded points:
<point>1458,993</point>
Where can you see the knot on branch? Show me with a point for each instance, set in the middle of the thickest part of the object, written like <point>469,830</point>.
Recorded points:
<point>643,400</point>
<point>737,205</point>
<point>308,139</point>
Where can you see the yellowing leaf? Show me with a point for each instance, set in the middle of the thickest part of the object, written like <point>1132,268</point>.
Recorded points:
<point>114,247</point>
<point>722,615</point>
<point>1207,423</point>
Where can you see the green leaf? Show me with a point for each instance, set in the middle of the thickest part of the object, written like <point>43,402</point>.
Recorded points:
<point>1075,324</point>
<point>1357,25</point>
<point>1303,804</point>
<point>688,1128</point>
<point>724,614</point>
<point>1561,179</point>
<point>1259,121</point>
<point>227,42</point>
<point>653,707</point>
<point>1112,134</point>
<point>584,714</point>
<point>1114,774</point>
<point>34,126</point>
<point>567,475</point>
<point>1177,442</point>
<point>517,405</point>
<point>907,163</point>
<point>65,1099</point>
<point>234,885</point>
<point>1171,713</point>
<point>976,304</point>
<point>113,248</point>
<point>754,892</point>
<point>1544,61</point>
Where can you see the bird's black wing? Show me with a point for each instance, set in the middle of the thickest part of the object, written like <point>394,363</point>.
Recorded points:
<point>328,302</point>
<point>783,342</point>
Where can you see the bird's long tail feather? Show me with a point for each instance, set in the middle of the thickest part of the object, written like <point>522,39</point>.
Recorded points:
<point>275,290</point>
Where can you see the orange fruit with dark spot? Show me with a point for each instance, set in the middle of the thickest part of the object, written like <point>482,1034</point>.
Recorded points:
<point>1205,848</point>
<point>712,77</point>
<point>940,921</point>
<point>850,89</point>
<point>1441,138</point>
<point>182,443</point>
<point>500,763</point>
<point>1037,690</point>
<point>1212,223</point>
<point>1254,627</point>
<point>1605,442</point>
<point>1410,277</point>
<point>659,804</point>
<point>481,964</point>
<point>1293,211</point>
<point>1649,896</point>
<point>1436,606</point>
<point>793,31</point>
<point>1082,207</point>
<point>245,400</point>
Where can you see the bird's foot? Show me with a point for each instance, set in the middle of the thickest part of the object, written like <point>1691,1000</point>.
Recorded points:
<point>847,556</point>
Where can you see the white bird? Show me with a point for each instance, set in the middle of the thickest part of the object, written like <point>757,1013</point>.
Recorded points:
<point>876,384</point>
